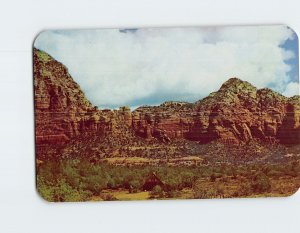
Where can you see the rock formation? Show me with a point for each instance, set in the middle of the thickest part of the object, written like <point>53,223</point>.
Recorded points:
<point>237,112</point>
<point>289,131</point>
<point>61,108</point>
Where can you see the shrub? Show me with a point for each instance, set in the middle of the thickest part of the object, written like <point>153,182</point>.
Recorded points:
<point>261,183</point>
<point>220,191</point>
<point>134,186</point>
<point>171,194</point>
<point>173,181</point>
<point>111,183</point>
<point>201,192</point>
<point>205,194</point>
<point>61,191</point>
<point>94,184</point>
<point>157,192</point>
<point>108,197</point>
<point>245,189</point>
<point>188,179</point>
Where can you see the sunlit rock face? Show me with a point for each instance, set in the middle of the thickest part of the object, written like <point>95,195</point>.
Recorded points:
<point>61,109</point>
<point>237,113</point>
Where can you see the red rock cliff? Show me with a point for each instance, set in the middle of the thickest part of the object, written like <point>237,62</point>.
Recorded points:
<point>61,108</point>
<point>237,112</point>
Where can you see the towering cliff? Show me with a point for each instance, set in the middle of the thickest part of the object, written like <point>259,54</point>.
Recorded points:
<point>61,108</point>
<point>237,112</point>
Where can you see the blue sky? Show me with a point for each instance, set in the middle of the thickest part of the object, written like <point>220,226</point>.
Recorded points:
<point>292,44</point>
<point>133,67</point>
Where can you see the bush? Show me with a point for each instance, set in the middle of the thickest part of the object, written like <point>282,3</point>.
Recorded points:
<point>220,191</point>
<point>61,191</point>
<point>188,179</point>
<point>108,197</point>
<point>171,194</point>
<point>261,183</point>
<point>157,192</point>
<point>134,186</point>
<point>201,192</point>
<point>94,184</point>
<point>244,190</point>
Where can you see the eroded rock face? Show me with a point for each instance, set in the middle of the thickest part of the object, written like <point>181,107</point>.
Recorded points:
<point>289,132</point>
<point>237,112</point>
<point>61,109</point>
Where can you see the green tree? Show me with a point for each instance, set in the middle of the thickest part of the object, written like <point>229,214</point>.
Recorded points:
<point>157,192</point>
<point>261,183</point>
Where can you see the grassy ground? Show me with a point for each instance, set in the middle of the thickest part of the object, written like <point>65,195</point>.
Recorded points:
<point>285,186</point>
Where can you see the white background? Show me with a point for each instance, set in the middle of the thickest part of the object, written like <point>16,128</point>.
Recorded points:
<point>22,210</point>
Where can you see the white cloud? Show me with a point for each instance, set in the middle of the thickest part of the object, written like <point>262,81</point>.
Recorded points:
<point>292,89</point>
<point>154,65</point>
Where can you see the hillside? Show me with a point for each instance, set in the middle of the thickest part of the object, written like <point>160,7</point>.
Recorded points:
<point>238,112</point>
<point>62,111</point>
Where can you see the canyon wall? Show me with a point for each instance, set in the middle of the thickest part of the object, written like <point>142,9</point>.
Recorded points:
<point>237,112</point>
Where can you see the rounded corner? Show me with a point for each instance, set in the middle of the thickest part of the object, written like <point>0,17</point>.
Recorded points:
<point>293,193</point>
<point>295,34</point>
<point>42,197</point>
<point>37,36</point>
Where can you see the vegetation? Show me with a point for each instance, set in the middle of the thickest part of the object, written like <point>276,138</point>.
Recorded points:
<point>157,192</point>
<point>80,180</point>
<point>261,183</point>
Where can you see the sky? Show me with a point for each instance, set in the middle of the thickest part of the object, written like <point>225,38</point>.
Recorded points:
<point>134,67</point>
